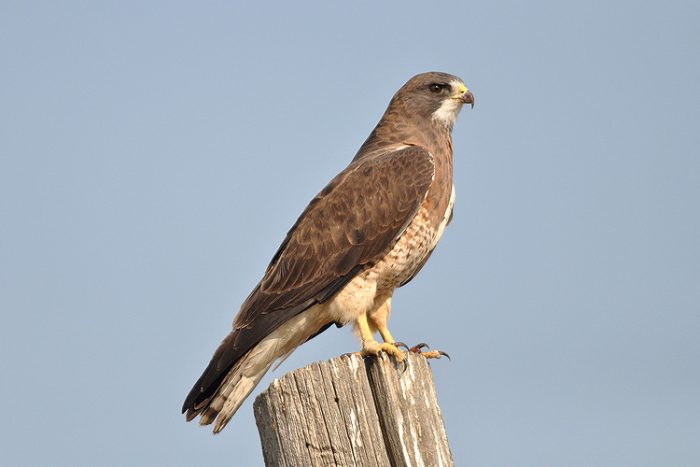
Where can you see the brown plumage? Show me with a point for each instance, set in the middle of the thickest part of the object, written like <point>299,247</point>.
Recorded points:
<point>367,232</point>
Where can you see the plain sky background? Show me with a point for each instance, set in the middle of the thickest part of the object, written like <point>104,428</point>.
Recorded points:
<point>154,154</point>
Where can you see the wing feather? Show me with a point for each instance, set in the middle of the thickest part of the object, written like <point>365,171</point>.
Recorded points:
<point>351,223</point>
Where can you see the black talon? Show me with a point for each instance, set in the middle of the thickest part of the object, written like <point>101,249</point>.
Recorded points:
<point>400,345</point>
<point>445,354</point>
<point>417,348</point>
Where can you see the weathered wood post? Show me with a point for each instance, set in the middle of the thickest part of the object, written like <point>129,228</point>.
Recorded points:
<point>351,411</point>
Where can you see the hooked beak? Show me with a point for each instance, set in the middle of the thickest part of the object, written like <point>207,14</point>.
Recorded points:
<point>467,98</point>
<point>464,95</point>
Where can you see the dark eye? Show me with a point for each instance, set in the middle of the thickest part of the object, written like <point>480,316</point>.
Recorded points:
<point>437,87</point>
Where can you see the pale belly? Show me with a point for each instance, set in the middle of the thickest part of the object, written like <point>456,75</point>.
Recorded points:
<point>372,286</point>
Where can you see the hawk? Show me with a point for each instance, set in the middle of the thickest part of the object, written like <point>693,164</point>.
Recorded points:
<point>369,231</point>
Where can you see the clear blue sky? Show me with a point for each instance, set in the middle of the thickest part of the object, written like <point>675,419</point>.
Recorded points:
<point>153,155</point>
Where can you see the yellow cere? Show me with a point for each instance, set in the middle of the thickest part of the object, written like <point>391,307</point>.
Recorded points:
<point>462,88</point>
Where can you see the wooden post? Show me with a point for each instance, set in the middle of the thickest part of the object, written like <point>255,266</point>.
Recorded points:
<point>351,411</point>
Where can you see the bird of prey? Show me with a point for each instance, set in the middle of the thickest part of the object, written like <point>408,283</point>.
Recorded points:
<point>369,231</point>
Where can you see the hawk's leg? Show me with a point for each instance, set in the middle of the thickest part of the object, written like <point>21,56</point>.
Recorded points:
<point>369,345</point>
<point>379,319</point>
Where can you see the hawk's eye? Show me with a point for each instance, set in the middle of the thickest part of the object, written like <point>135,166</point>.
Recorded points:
<point>436,87</point>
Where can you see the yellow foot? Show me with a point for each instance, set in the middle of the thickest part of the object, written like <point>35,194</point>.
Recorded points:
<point>374,347</point>
<point>434,354</point>
<point>428,354</point>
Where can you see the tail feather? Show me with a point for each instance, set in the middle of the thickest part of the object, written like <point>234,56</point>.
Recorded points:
<point>246,373</point>
<point>238,384</point>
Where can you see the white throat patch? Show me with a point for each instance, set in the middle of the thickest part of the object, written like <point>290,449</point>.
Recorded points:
<point>449,109</point>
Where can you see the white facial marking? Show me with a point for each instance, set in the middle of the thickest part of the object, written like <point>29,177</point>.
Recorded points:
<point>449,109</point>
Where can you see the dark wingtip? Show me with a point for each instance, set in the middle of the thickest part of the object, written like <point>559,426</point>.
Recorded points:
<point>193,397</point>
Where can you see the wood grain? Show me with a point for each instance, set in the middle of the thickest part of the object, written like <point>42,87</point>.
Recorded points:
<point>351,411</point>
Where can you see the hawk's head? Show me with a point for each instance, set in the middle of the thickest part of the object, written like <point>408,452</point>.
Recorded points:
<point>435,96</point>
